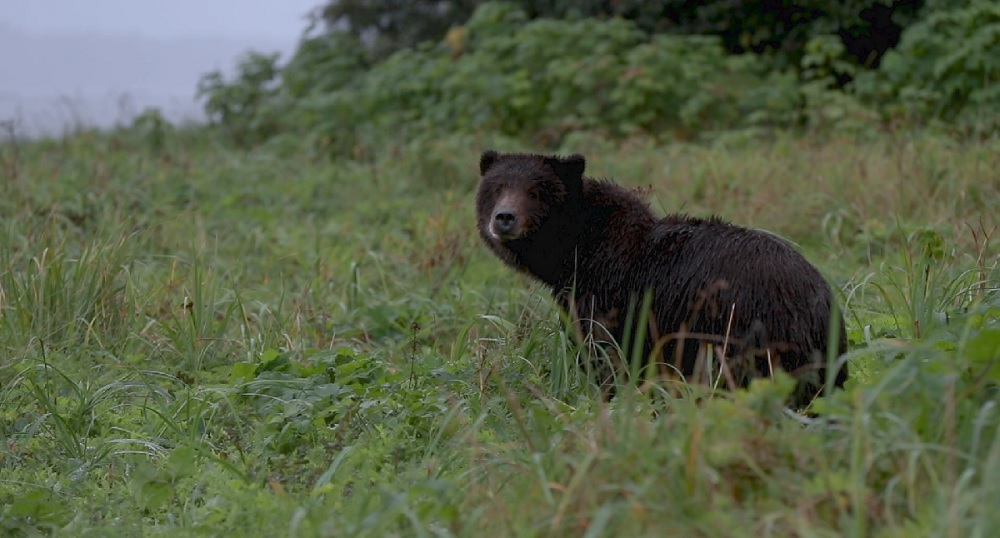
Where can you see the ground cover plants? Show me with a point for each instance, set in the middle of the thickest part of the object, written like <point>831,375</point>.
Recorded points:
<point>198,339</point>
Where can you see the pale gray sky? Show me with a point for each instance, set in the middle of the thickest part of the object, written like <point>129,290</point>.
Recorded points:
<point>100,61</point>
<point>275,19</point>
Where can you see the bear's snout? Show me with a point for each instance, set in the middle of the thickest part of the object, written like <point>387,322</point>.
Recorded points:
<point>504,223</point>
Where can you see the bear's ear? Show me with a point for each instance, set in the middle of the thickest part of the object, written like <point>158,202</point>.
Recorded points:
<point>486,160</point>
<point>569,169</point>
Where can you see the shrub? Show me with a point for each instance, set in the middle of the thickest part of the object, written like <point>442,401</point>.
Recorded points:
<point>946,66</point>
<point>542,80</point>
<point>244,108</point>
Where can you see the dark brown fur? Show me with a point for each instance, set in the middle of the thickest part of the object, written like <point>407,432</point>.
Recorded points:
<point>599,248</point>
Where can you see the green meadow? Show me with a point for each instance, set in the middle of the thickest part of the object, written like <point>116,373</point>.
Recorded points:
<point>202,340</point>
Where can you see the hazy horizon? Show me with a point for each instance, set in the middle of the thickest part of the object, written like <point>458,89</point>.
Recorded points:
<point>103,62</point>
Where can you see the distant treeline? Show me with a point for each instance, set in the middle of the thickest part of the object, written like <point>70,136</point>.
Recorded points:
<point>541,69</point>
<point>781,28</point>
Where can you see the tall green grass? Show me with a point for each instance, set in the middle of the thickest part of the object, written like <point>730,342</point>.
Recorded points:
<point>197,340</point>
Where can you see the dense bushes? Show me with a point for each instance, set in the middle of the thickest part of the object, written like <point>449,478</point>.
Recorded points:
<point>539,79</point>
<point>948,63</point>
<point>781,29</point>
<point>243,108</point>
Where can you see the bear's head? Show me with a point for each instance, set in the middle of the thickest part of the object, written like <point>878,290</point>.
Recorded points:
<point>526,198</point>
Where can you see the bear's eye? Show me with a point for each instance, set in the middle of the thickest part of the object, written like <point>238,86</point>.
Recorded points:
<point>533,196</point>
<point>497,190</point>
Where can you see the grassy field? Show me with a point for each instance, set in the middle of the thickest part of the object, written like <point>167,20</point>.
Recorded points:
<point>201,341</point>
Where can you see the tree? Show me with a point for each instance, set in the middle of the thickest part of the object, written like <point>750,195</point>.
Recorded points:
<point>779,28</point>
<point>390,25</point>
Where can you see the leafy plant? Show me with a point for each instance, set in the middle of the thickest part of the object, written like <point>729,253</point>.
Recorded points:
<point>866,27</point>
<point>245,106</point>
<point>947,64</point>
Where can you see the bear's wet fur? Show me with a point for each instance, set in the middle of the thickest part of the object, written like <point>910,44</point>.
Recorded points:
<point>599,247</point>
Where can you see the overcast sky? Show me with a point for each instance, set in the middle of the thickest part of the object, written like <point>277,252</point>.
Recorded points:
<point>276,19</point>
<point>152,52</point>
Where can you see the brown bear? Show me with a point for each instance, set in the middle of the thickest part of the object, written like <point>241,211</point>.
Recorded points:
<point>742,296</point>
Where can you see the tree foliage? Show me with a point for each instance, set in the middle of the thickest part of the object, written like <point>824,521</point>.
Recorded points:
<point>391,25</point>
<point>504,71</point>
<point>948,63</point>
<point>780,28</point>
<point>241,106</point>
